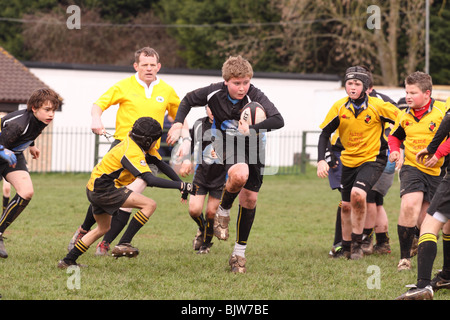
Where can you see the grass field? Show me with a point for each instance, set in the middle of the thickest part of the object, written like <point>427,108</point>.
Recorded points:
<point>287,252</point>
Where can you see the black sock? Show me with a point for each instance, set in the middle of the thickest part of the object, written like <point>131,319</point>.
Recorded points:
<point>244,224</point>
<point>136,223</point>
<point>356,237</point>
<point>405,237</point>
<point>228,199</point>
<point>346,245</point>
<point>368,232</point>
<point>426,253</point>
<point>200,221</point>
<point>209,230</point>
<point>118,222</point>
<point>446,252</point>
<point>77,251</point>
<point>338,226</point>
<point>5,202</point>
<point>89,220</point>
<point>12,211</point>
<point>382,237</point>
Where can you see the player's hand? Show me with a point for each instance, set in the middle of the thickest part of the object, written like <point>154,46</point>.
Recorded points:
<point>395,156</point>
<point>422,155</point>
<point>174,133</point>
<point>8,156</point>
<point>322,169</point>
<point>186,168</point>
<point>35,152</point>
<point>97,126</point>
<point>188,188</point>
<point>426,158</point>
<point>244,128</point>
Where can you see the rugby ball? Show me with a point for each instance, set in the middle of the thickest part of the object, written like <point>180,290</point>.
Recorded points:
<point>253,113</point>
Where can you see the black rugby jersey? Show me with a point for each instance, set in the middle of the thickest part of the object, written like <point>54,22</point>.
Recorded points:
<point>208,173</point>
<point>225,111</point>
<point>19,129</point>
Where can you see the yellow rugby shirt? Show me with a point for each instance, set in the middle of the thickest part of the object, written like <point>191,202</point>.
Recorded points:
<point>133,103</point>
<point>361,133</point>
<point>120,166</point>
<point>417,134</point>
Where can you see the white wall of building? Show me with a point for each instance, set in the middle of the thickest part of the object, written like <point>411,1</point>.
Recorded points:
<point>303,103</point>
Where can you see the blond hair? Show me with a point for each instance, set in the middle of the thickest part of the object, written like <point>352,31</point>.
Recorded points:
<point>236,67</point>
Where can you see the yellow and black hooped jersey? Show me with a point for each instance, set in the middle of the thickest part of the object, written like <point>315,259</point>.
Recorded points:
<point>120,166</point>
<point>360,131</point>
<point>417,134</point>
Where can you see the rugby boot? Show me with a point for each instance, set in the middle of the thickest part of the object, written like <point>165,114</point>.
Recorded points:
<point>336,251</point>
<point>439,282</point>
<point>3,253</point>
<point>76,236</point>
<point>367,245</point>
<point>102,248</point>
<point>382,248</point>
<point>417,294</point>
<point>237,264</point>
<point>124,250</point>
<point>356,252</point>
<point>64,264</point>
<point>205,248</point>
<point>221,223</point>
<point>198,240</point>
<point>404,264</point>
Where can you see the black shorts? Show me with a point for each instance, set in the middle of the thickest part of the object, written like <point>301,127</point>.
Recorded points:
<point>109,201</point>
<point>414,180</point>
<point>375,197</point>
<point>20,165</point>
<point>364,177</point>
<point>215,193</point>
<point>441,201</point>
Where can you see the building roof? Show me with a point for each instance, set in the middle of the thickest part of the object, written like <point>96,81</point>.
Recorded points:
<point>16,81</point>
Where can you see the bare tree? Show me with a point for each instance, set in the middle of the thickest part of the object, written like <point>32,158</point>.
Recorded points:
<point>97,41</point>
<point>312,35</point>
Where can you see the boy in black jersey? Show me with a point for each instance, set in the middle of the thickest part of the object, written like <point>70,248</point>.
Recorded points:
<point>245,165</point>
<point>209,176</point>
<point>19,129</point>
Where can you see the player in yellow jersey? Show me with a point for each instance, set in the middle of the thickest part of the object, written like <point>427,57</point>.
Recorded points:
<point>360,120</point>
<point>143,94</point>
<point>415,127</point>
<point>107,188</point>
<point>436,219</point>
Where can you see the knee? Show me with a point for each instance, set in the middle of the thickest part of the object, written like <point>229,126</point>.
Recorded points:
<point>238,179</point>
<point>358,199</point>
<point>27,195</point>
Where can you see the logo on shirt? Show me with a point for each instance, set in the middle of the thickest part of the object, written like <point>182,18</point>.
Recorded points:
<point>160,99</point>
<point>143,163</point>
<point>368,119</point>
<point>432,126</point>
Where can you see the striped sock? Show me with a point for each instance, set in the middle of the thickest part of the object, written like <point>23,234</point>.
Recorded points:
<point>79,248</point>
<point>446,251</point>
<point>136,223</point>
<point>426,254</point>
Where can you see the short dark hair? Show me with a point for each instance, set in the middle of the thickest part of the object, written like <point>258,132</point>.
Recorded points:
<point>420,79</point>
<point>147,52</point>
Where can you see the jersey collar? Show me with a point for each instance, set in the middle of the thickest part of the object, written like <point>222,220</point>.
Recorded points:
<point>148,89</point>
